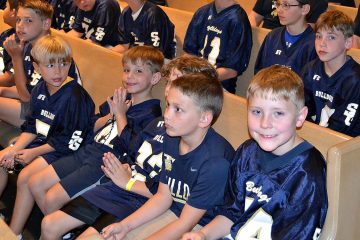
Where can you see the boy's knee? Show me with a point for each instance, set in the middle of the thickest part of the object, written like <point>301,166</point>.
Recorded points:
<point>34,184</point>
<point>48,227</point>
<point>23,178</point>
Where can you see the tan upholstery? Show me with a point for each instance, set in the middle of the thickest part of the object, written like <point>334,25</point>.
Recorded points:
<point>5,232</point>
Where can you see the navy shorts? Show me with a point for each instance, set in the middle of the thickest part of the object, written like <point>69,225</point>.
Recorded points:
<point>76,175</point>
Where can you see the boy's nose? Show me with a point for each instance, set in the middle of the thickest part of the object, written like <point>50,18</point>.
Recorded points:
<point>265,122</point>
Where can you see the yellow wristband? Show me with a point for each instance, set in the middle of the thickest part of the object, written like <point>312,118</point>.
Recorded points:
<point>130,184</point>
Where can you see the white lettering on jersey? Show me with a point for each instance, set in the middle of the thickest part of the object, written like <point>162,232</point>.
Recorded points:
<point>182,190</point>
<point>278,52</point>
<point>107,134</point>
<point>326,113</point>
<point>160,124</point>
<point>316,77</point>
<point>250,187</point>
<point>100,33</point>
<point>324,96</point>
<point>155,39</point>
<point>71,21</point>
<point>35,78</point>
<point>41,97</point>
<point>350,113</point>
<point>87,20</point>
<point>75,140</point>
<point>144,152</point>
<point>159,138</point>
<point>2,65</point>
<point>47,114</point>
<point>258,226</point>
<point>41,127</point>
<point>27,58</point>
<point>214,29</point>
<point>316,235</point>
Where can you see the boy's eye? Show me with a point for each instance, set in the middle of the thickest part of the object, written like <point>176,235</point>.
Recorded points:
<point>279,114</point>
<point>318,36</point>
<point>255,112</point>
<point>126,70</point>
<point>63,64</point>
<point>177,109</point>
<point>331,37</point>
<point>139,71</point>
<point>50,65</point>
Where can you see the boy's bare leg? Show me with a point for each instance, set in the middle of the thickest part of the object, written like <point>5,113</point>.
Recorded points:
<point>55,225</point>
<point>89,233</point>
<point>24,201</point>
<point>9,92</point>
<point>3,179</point>
<point>55,198</point>
<point>40,183</point>
<point>10,111</point>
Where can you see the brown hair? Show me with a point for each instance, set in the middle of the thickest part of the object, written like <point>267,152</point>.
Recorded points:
<point>41,7</point>
<point>147,55</point>
<point>335,20</point>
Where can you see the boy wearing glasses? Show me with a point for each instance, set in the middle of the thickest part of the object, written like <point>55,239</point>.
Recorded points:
<point>292,45</point>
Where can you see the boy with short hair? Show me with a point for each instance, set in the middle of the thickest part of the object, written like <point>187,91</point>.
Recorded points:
<point>114,200</point>
<point>144,23</point>
<point>9,16</point>
<point>116,132</point>
<point>332,81</point>
<point>195,163</point>
<point>291,45</point>
<point>96,21</point>
<point>60,120</point>
<point>33,22</point>
<point>221,33</point>
<point>277,183</point>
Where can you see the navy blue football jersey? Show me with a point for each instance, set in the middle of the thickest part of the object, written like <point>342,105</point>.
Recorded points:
<point>146,164</point>
<point>152,27</point>
<point>274,50</point>
<point>100,24</point>
<point>199,177</point>
<point>33,78</point>
<point>64,119</point>
<point>64,14</point>
<point>223,38</point>
<point>276,197</point>
<point>5,61</point>
<point>333,102</point>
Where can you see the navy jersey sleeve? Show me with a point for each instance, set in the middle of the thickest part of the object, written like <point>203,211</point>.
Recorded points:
<point>76,124</point>
<point>160,31</point>
<point>77,22</point>
<point>306,76</point>
<point>238,48</point>
<point>105,23</point>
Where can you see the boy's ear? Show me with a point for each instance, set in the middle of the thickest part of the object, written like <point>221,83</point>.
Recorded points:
<point>206,119</point>
<point>301,117</point>
<point>305,9</point>
<point>349,42</point>
<point>47,24</point>
<point>155,78</point>
<point>36,66</point>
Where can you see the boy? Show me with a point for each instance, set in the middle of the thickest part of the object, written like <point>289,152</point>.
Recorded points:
<point>64,14</point>
<point>60,119</point>
<point>144,23</point>
<point>220,32</point>
<point>96,21</point>
<point>9,16</point>
<point>115,132</point>
<point>195,165</point>
<point>277,180</point>
<point>115,200</point>
<point>292,45</point>
<point>264,13</point>
<point>332,81</point>
<point>33,22</point>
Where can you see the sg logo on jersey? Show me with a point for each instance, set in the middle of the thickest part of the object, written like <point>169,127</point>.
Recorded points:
<point>350,113</point>
<point>75,140</point>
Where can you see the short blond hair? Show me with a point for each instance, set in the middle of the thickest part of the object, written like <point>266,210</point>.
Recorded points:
<point>41,7</point>
<point>335,20</point>
<point>51,49</point>
<point>278,82</point>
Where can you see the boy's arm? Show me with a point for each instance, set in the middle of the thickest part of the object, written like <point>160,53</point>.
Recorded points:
<point>189,217</point>
<point>27,155</point>
<point>100,122</point>
<point>216,229</point>
<point>255,18</point>
<point>226,73</point>
<point>154,207</point>
<point>15,50</point>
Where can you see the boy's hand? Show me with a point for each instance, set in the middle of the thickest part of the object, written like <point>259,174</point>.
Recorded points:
<point>116,231</point>
<point>7,157</point>
<point>26,155</point>
<point>14,47</point>
<point>117,172</point>
<point>194,236</point>
<point>118,104</point>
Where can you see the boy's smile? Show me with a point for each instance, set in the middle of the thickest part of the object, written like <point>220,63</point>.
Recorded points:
<point>272,123</point>
<point>137,78</point>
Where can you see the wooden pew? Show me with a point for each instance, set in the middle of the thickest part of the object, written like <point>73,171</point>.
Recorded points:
<point>350,11</point>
